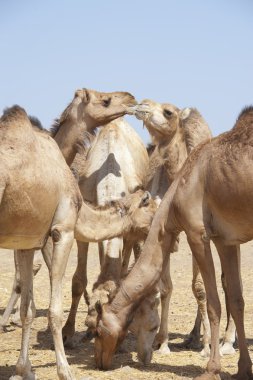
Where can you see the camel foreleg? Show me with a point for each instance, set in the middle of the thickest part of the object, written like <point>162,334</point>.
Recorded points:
<point>63,241</point>
<point>166,287</point>
<point>203,255</point>
<point>227,347</point>
<point>200,295</point>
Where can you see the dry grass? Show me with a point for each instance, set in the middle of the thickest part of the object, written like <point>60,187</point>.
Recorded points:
<point>180,364</point>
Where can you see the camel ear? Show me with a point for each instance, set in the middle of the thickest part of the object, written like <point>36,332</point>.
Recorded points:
<point>184,113</point>
<point>83,94</point>
<point>99,308</point>
<point>145,199</point>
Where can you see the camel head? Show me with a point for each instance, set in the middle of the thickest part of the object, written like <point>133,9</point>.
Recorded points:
<point>145,325</point>
<point>161,120</point>
<point>110,332</point>
<point>109,335</point>
<point>99,108</point>
<point>140,209</point>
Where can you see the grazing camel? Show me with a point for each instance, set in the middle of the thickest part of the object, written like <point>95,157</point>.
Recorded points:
<point>115,166</point>
<point>49,204</point>
<point>210,199</point>
<point>77,123</point>
<point>175,133</point>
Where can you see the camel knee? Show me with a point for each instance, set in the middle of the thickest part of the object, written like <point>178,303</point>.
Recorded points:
<point>27,312</point>
<point>55,319</point>
<point>198,290</point>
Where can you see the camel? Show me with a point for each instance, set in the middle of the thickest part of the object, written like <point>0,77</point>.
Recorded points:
<point>175,133</point>
<point>114,167</point>
<point>36,201</point>
<point>27,219</point>
<point>77,123</point>
<point>216,181</point>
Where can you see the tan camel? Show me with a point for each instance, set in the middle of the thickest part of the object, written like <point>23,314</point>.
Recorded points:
<point>50,204</point>
<point>36,201</point>
<point>211,198</point>
<point>115,166</point>
<point>175,133</point>
<point>88,110</point>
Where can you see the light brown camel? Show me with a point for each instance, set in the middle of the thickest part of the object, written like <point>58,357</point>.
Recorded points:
<point>88,110</point>
<point>175,133</point>
<point>36,201</point>
<point>210,199</point>
<point>49,203</point>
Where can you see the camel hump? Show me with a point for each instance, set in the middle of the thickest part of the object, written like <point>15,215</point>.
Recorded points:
<point>245,119</point>
<point>195,127</point>
<point>13,115</point>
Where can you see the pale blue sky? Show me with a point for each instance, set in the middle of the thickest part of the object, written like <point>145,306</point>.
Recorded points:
<point>187,52</point>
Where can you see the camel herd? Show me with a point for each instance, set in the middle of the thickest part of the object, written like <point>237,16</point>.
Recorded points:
<point>75,182</point>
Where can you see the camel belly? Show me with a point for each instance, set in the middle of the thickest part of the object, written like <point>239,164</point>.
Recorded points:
<point>21,241</point>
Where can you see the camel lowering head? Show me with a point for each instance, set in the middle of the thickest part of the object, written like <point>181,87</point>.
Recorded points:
<point>110,334</point>
<point>161,120</point>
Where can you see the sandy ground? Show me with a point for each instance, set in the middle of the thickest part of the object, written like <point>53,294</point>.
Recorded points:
<point>180,364</point>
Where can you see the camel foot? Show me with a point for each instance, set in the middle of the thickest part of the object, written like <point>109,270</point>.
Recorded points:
<point>227,349</point>
<point>64,373</point>
<point>163,349</point>
<point>208,376</point>
<point>205,353</point>
<point>28,376</point>
<point>16,321</point>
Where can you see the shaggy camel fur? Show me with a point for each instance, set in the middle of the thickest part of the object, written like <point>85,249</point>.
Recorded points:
<point>115,165</point>
<point>77,123</point>
<point>217,175</point>
<point>176,132</point>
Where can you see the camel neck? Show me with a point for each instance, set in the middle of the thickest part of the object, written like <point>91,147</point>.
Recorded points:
<point>174,154</point>
<point>68,139</point>
<point>97,225</point>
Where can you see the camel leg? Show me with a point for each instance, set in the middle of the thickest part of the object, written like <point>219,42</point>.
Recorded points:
<point>193,340</point>
<point>63,241</point>
<point>15,294</point>
<point>79,283</point>
<point>230,332</point>
<point>230,260</point>
<point>200,295</point>
<point>101,254</point>
<point>37,263</point>
<point>166,287</point>
<point>203,255</point>
<point>126,253</point>
<point>27,313</point>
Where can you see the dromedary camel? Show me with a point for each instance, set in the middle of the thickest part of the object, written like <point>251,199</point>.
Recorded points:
<point>88,110</point>
<point>36,201</point>
<point>175,133</point>
<point>210,199</point>
<point>27,218</point>
<point>115,166</point>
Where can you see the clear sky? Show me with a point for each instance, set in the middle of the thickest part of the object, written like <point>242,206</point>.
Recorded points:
<point>186,52</point>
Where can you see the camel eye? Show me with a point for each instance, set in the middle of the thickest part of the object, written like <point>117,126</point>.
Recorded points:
<point>106,102</point>
<point>167,113</point>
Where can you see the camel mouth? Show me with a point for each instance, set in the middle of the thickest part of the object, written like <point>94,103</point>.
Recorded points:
<point>141,111</point>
